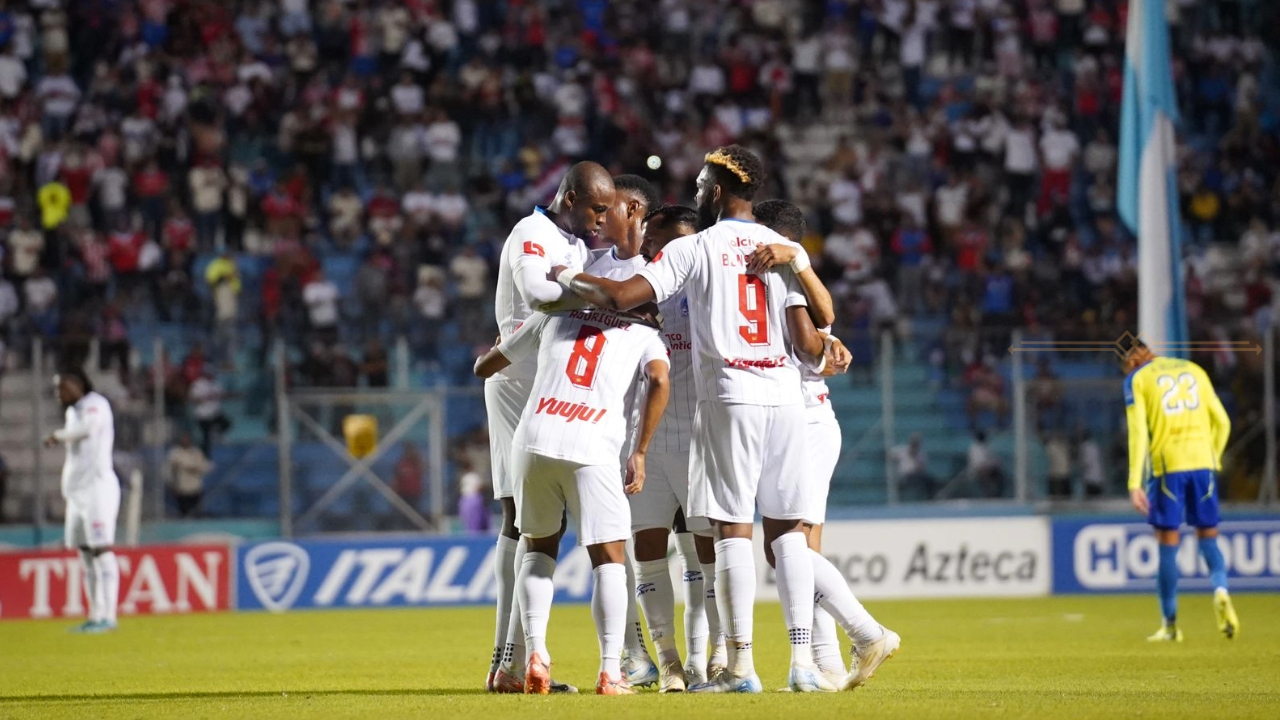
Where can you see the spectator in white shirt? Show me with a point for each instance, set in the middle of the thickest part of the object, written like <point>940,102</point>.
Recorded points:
<point>450,209</point>
<point>321,297</point>
<point>407,97</point>
<point>208,184</point>
<point>470,274</point>
<point>187,467</point>
<point>845,196</point>
<point>441,139</point>
<point>911,468</point>
<point>1020,163</point>
<point>1059,149</point>
<point>431,302</point>
<point>205,397</point>
<point>13,74</point>
<point>58,95</point>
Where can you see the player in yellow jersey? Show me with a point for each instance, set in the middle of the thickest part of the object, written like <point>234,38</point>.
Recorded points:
<point>1177,432</point>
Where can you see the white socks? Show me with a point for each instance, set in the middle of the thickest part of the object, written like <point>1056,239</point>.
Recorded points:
<point>657,598</point>
<point>826,642</point>
<point>609,608</point>
<point>536,589</point>
<point>504,571</point>
<point>715,628</point>
<point>695,602</point>
<point>108,585</point>
<point>735,596</point>
<point>91,585</point>
<point>834,594</point>
<point>794,571</point>
<point>634,639</point>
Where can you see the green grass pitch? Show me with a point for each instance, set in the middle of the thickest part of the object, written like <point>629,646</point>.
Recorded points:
<point>1042,658</point>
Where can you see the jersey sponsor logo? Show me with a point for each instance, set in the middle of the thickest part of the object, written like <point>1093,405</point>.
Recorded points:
<point>645,588</point>
<point>571,412</point>
<point>389,573</point>
<point>1092,556</point>
<point>276,572</point>
<point>154,580</point>
<point>744,363</point>
<point>533,248</point>
<point>657,257</point>
<point>822,397</point>
<point>677,342</point>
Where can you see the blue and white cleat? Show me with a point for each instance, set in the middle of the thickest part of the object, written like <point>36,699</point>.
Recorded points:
<point>84,627</point>
<point>808,678</point>
<point>726,683</point>
<point>100,627</point>
<point>639,670</point>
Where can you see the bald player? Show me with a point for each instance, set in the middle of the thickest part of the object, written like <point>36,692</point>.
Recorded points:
<point>551,236</point>
<point>748,438</point>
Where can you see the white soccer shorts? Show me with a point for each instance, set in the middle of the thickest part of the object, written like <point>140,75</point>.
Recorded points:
<point>822,450</point>
<point>91,516</point>
<point>504,402</point>
<point>746,457</point>
<point>546,487</point>
<point>666,490</point>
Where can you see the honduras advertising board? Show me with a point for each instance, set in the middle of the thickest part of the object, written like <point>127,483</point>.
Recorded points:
<point>386,572</point>
<point>1097,556</point>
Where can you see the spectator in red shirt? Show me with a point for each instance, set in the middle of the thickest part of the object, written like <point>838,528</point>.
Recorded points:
<point>282,211</point>
<point>151,188</point>
<point>971,244</point>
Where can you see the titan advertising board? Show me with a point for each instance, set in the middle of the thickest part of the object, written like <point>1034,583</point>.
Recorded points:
<point>971,557</point>
<point>391,572</point>
<point>1095,555</point>
<point>154,580</point>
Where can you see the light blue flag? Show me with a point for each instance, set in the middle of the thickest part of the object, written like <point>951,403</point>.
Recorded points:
<point>1148,187</point>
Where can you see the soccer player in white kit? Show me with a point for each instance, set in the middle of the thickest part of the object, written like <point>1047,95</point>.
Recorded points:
<point>552,236</point>
<point>748,439</point>
<point>92,492</point>
<point>565,457</point>
<point>633,197</point>
<point>666,495</point>
<point>822,430</point>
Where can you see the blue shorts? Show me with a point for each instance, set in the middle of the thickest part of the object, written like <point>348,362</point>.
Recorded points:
<point>1190,497</point>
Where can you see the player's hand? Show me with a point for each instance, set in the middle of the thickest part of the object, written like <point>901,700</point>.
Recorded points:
<point>1138,497</point>
<point>555,272</point>
<point>635,474</point>
<point>50,440</point>
<point>838,359</point>
<point>766,256</point>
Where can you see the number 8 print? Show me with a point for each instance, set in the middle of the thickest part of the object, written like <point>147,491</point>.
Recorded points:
<point>581,369</point>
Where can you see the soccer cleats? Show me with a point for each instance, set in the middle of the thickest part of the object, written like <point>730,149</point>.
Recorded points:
<point>606,685</point>
<point>808,678</point>
<point>1228,623</point>
<point>638,670</point>
<point>1166,633</point>
<point>672,679</point>
<point>867,659</point>
<point>726,683</point>
<point>537,676</point>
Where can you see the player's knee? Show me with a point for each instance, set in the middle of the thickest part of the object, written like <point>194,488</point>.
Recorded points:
<point>606,553</point>
<point>651,544</point>
<point>549,546</point>
<point>1207,533</point>
<point>509,528</point>
<point>768,555</point>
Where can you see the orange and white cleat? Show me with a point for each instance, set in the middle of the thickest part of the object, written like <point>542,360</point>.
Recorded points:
<point>608,686</point>
<point>537,676</point>
<point>507,684</point>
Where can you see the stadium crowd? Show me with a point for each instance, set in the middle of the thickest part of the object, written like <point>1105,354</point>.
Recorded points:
<point>151,151</point>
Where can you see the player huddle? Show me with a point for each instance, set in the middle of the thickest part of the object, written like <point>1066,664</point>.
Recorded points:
<point>672,381</point>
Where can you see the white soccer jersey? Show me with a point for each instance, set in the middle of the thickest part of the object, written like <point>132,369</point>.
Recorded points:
<point>606,264</point>
<point>586,360</point>
<point>676,428</point>
<point>89,434</point>
<point>534,246</point>
<point>742,353</point>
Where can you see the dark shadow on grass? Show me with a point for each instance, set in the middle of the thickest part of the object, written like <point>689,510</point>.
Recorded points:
<point>231,694</point>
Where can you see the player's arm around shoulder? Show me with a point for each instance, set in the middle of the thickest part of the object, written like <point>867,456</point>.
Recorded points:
<point>793,255</point>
